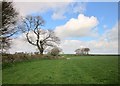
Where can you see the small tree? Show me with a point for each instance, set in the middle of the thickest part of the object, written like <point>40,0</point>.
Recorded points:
<point>78,51</point>
<point>55,51</point>
<point>86,50</point>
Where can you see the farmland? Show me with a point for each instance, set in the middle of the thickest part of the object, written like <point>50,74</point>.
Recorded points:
<point>75,70</point>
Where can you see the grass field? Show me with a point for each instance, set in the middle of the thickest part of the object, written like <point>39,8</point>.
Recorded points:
<point>76,70</point>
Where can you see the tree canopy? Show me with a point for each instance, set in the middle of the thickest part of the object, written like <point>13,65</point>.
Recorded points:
<point>41,38</point>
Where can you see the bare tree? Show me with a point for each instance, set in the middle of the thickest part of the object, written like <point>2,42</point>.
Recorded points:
<point>43,38</point>
<point>9,19</point>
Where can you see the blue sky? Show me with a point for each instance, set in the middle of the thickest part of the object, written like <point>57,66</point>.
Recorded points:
<point>78,24</point>
<point>106,12</point>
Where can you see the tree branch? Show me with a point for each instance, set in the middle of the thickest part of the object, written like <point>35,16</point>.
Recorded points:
<point>29,40</point>
<point>28,28</point>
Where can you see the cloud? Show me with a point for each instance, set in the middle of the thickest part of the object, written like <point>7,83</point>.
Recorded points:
<point>104,47</point>
<point>59,9</point>
<point>20,44</point>
<point>58,16</point>
<point>58,12</point>
<point>105,44</point>
<point>78,7</point>
<point>111,34</point>
<point>80,27</point>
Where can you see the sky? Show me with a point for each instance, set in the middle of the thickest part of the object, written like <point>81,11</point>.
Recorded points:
<point>77,24</point>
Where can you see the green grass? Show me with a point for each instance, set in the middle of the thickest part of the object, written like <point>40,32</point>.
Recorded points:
<point>76,70</point>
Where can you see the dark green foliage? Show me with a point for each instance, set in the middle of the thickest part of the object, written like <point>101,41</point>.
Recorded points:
<point>9,16</point>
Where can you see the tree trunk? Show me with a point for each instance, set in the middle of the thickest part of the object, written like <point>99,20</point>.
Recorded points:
<point>40,49</point>
<point>41,52</point>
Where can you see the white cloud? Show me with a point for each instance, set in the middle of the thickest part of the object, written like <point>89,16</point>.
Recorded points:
<point>106,44</point>
<point>58,8</point>
<point>111,34</point>
<point>59,14</point>
<point>80,27</point>
<point>20,44</point>
<point>78,7</point>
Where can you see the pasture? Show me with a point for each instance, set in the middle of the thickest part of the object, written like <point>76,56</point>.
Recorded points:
<point>75,70</point>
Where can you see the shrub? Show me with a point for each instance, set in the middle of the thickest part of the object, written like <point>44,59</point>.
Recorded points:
<point>55,51</point>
